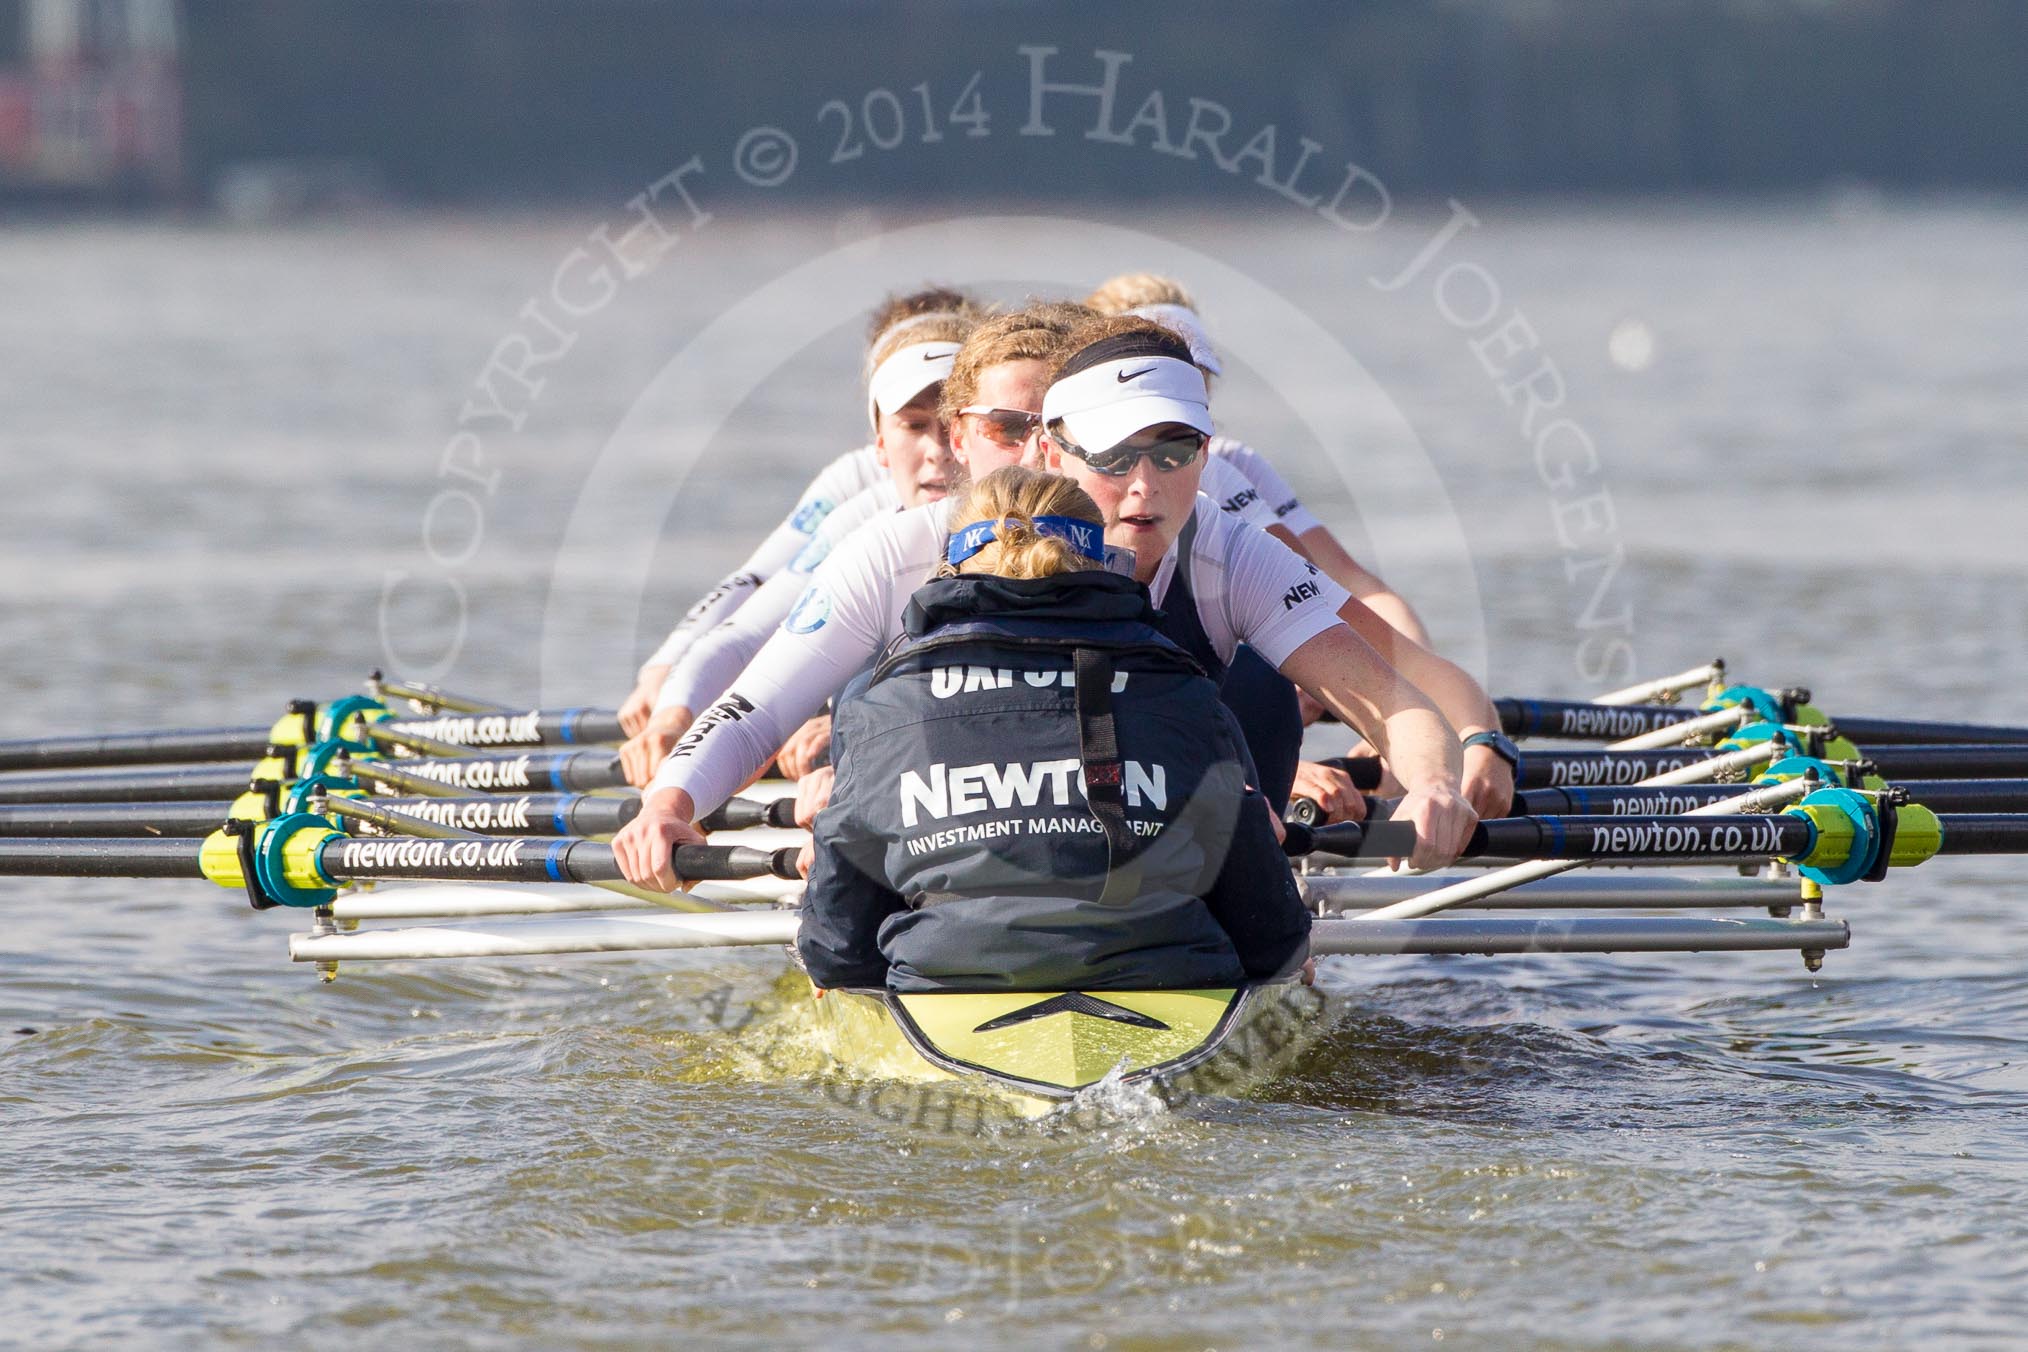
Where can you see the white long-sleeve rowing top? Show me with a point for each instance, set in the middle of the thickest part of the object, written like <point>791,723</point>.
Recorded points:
<point>1248,587</point>
<point>837,483</point>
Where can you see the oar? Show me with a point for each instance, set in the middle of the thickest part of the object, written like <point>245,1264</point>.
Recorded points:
<point>1687,837</point>
<point>327,857</point>
<point>537,772</point>
<point>177,784</point>
<point>534,772</point>
<point>1754,800</point>
<point>1835,835</point>
<point>528,814</point>
<point>1548,769</point>
<point>1560,769</point>
<point>1940,795</point>
<point>1578,720</point>
<point>188,746</point>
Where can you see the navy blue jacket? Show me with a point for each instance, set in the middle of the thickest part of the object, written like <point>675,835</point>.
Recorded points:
<point>963,850</point>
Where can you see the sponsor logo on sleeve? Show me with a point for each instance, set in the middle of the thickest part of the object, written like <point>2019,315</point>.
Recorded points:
<point>731,707</point>
<point>1301,592</point>
<point>811,555</point>
<point>812,609</point>
<point>1287,507</point>
<point>811,515</point>
<point>1239,501</point>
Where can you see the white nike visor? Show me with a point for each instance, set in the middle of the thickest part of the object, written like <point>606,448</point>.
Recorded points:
<point>1101,406</point>
<point>1182,321</point>
<point>906,373</point>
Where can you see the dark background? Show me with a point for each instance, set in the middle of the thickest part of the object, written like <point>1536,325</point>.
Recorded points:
<point>494,100</point>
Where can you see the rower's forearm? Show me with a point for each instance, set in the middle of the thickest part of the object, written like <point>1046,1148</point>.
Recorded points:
<point>1391,606</point>
<point>713,663</point>
<point>1459,698</point>
<point>1321,547</point>
<point>673,801</point>
<point>1422,751</point>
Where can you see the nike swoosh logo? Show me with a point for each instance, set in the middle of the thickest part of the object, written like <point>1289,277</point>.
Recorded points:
<point>1126,376</point>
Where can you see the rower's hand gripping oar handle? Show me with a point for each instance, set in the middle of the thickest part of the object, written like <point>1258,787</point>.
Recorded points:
<point>1365,773</point>
<point>1361,840</point>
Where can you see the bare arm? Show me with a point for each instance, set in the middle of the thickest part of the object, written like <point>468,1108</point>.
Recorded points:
<point>1488,779</point>
<point>1343,672</point>
<point>1347,675</point>
<point>1320,547</point>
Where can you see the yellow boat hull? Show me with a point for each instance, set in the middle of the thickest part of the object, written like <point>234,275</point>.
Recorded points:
<point>1047,1046</point>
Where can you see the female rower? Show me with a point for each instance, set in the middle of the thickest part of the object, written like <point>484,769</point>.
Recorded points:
<point>1240,586</point>
<point>1110,841</point>
<point>1490,758</point>
<point>834,485</point>
<point>907,371</point>
<point>991,403</point>
<point>1164,300</point>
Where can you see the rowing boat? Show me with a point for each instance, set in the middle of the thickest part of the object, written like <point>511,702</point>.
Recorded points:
<point>328,828</point>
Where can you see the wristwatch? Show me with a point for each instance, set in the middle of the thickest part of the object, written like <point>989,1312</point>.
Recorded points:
<point>1502,745</point>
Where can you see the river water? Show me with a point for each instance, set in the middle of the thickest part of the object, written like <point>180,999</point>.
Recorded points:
<point>251,464</point>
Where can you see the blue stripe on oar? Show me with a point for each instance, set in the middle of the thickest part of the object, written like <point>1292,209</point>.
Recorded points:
<point>553,860</point>
<point>560,819</point>
<point>1556,837</point>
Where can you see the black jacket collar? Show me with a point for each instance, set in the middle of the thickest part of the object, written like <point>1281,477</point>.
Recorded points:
<point>1086,597</point>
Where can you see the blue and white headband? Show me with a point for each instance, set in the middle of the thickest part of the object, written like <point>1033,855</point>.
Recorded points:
<point>1086,537</point>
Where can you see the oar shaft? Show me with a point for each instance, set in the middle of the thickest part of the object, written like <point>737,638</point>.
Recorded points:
<point>1948,762</point>
<point>563,814</point>
<point>113,819</point>
<point>1582,720</point>
<point>181,747</point>
<point>538,772</point>
<point>532,727</point>
<point>1869,733</point>
<point>344,859</point>
<point>1984,833</point>
<point>1970,795</point>
<point>1604,838</point>
<point>99,858</point>
<point>1586,720</point>
<point>194,746</point>
<point>524,859</point>
<point>1628,800</point>
<point>176,784</point>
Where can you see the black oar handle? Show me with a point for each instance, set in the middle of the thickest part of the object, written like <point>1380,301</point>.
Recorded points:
<point>702,863</point>
<point>739,814</point>
<point>1364,771</point>
<point>1353,840</point>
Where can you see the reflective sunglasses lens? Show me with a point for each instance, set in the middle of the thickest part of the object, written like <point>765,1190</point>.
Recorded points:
<point>1009,427</point>
<point>1171,454</point>
<point>1175,453</point>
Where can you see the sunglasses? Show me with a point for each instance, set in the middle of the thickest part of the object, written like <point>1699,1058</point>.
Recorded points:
<point>1007,426</point>
<point>1172,452</point>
